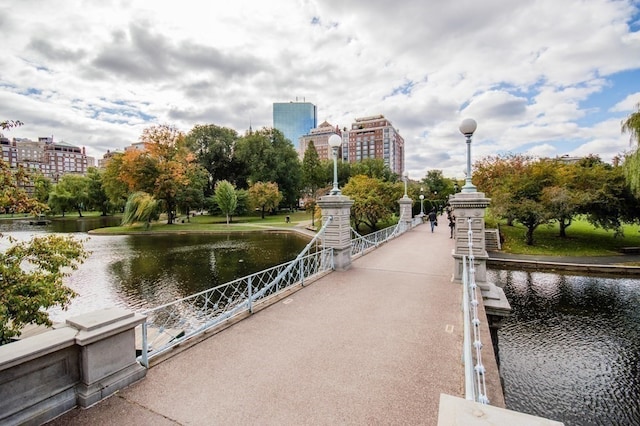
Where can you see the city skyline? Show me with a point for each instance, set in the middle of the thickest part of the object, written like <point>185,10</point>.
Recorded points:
<point>543,78</point>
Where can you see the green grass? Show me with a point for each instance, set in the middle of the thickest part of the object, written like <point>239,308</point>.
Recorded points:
<point>206,223</point>
<point>583,239</point>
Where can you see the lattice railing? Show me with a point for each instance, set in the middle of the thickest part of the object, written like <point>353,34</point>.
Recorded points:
<point>360,244</point>
<point>475,384</point>
<point>175,322</point>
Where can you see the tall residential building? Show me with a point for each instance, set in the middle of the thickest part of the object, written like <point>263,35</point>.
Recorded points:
<point>320,138</point>
<point>375,137</point>
<point>294,119</point>
<point>52,159</point>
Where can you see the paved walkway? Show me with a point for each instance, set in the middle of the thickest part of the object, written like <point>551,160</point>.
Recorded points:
<point>376,344</point>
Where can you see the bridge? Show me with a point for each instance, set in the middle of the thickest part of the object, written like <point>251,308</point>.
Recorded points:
<point>377,342</point>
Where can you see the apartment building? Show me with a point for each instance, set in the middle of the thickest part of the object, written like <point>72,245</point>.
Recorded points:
<point>374,137</point>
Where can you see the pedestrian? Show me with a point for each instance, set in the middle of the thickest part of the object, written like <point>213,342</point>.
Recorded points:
<point>452,224</point>
<point>433,219</point>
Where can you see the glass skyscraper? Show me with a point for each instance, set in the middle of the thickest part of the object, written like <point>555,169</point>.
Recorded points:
<point>294,119</point>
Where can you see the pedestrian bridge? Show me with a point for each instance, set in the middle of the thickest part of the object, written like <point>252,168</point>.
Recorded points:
<point>378,343</point>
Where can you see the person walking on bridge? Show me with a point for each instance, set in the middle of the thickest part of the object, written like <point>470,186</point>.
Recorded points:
<point>433,219</point>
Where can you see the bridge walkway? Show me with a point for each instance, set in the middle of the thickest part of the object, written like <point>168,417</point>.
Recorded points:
<point>376,344</point>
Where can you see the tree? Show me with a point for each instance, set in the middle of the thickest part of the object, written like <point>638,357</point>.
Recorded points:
<point>264,196</point>
<point>374,168</point>
<point>114,186</point>
<point>13,196</point>
<point>313,177</point>
<point>42,187</point>
<point>166,168</point>
<point>140,207</point>
<point>226,198</point>
<point>214,149</point>
<point>266,156</point>
<point>373,200</point>
<point>96,195</point>
<point>70,193</point>
<point>632,125</point>
<point>31,281</point>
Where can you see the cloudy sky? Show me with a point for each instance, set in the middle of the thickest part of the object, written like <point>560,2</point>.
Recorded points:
<point>544,77</point>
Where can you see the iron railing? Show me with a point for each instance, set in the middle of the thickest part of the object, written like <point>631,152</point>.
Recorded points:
<point>360,244</point>
<point>475,384</point>
<point>171,324</point>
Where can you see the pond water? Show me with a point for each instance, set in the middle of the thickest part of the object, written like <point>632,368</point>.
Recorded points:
<point>142,271</point>
<point>571,349</point>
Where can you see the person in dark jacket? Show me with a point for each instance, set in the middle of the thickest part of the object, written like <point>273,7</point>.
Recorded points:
<point>433,219</point>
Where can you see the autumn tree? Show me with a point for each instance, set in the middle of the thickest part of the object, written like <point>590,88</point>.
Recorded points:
<point>165,168</point>
<point>13,195</point>
<point>226,198</point>
<point>115,188</point>
<point>264,196</point>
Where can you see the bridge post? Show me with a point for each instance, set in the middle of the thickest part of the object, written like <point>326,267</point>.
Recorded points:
<point>338,232</point>
<point>406,205</point>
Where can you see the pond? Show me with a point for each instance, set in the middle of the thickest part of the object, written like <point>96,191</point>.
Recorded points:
<point>571,349</point>
<point>142,271</point>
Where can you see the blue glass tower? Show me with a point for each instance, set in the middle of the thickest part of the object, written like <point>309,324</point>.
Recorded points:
<point>294,119</point>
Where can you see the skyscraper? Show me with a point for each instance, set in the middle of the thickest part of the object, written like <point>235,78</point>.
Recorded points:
<point>294,119</point>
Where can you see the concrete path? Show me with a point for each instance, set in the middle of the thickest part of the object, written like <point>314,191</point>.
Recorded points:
<point>376,344</point>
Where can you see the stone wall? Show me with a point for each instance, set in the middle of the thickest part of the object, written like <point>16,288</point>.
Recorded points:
<point>75,364</point>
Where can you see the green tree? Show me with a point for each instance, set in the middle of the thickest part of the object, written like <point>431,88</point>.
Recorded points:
<point>373,200</point>
<point>226,198</point>
<point>313,177</point>
<point>631,125</point>
<point>96,195</point>
<point>214,149</point>
<point>31,281</point>
<point>140,207</point>
<point>266,156</point>
<point>632,160</point>
<point>374,168</point>
<point>42,187</point>
<point>70,193</point>
<point>264,196</point>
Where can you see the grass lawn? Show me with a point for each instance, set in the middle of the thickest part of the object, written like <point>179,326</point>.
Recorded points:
<point>206,223</point>
<point>583,239</point>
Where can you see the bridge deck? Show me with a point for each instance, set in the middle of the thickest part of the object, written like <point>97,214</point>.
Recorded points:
<point>376,344</point>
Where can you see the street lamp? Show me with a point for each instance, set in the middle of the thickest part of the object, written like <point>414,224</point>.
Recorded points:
<point>405,178</point>
<point>334,142</point>
<point>467,127</point>
<point>421,205</point>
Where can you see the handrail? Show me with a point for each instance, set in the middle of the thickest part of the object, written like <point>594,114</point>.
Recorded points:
<point>177,321</point>
<point>475,384</point>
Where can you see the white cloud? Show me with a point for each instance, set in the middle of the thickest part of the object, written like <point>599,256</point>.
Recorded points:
<point>96,73</point>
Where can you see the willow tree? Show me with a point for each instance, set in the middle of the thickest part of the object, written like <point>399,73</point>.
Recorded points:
<point>632,161</point>
<point>140,207</point>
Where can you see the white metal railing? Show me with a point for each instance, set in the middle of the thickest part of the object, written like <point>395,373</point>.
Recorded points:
<point>475,384</point>
<point>360,244</point>
<point>175,322</point>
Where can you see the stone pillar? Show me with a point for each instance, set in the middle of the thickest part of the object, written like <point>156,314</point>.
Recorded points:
<point>106,339</point>
<point>406,205</point>
<point>470,205</point>
<point>338,232</point>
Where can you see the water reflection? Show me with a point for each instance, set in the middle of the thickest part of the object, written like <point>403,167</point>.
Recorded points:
<point>571,349</point>
<point>141,271</point>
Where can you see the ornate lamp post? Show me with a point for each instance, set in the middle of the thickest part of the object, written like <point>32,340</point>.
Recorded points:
<point>334,142</point>
<point>421,205</point>
<point>467,127</point>
<point>405,177</point>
